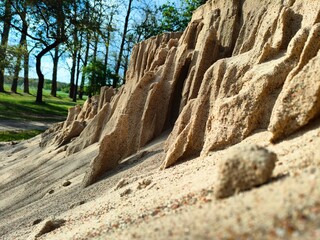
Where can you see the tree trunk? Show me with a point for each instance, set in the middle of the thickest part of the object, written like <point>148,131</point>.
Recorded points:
<point>85,63</point>
<point>73,71</point>
<point>74,99</point>
<point>4,41</point>
<point>15,79</point>
<point>26,53</point>
<point>115,83</point>
<point>95,48</point>
<point>55,72</point>
<point>55,59</point>
<point>26,72</point>
<point>125,68</point>
<point>74,54</point>
<point>40,77</point>
<point>38,68</point>
<point>106,57</point>
<point>22,44</point>
<point>77,73</point>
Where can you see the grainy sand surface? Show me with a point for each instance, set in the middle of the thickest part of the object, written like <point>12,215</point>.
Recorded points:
<point>138,201</point>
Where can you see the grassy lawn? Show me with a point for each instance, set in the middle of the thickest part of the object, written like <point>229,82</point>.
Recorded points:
<point>22,107</point>
<point>8,136</point>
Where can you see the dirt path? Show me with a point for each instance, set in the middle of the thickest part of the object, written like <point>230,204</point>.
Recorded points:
<point>15,125</point>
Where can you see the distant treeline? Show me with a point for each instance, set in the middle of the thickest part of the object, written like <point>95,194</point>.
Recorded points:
<point>33,83</point>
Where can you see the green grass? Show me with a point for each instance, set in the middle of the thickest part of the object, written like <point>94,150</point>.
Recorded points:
<point>8,136</point>
<point>22,106</point>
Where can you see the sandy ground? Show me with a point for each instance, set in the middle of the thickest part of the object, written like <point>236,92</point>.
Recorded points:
<point>137,201</point>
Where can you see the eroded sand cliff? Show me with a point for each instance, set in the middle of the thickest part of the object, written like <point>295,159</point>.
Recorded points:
<point>242,73</point>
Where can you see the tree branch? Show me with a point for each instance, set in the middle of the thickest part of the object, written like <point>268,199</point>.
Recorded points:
<point>26,32</point>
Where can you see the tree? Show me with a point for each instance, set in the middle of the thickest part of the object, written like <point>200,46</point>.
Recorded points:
<point>189,7</point>
<point>94,73</point>
<point>55,59</point>
<point>26,71</point>
<point>109,30</point>
<point>4,41</point>
<point>129,44</point>
<point>97,38</point>
<point>148,25</point>
<point>85,63</point>
<point>74,48</point>
<point>125,28</point>
<point>93,17</point>
<point>52,21</point>
<point>74,99</point>
<point>87,47</point>
<point>17,68</point>
<point>23,50</point>
<point>173,18</point>
<point>74,54</point>
<point>26,55</point>
<point>57,9</point>
<point>96,22</point>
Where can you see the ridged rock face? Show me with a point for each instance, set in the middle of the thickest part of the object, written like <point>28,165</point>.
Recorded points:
<point>141,109</point>
<point>271,81</point>
<point>77,120</point>
<point>165,73</point>
<point>240,66</point>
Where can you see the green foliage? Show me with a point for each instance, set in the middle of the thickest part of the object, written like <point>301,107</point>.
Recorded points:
<point>94,74</point>
<point>169,17</point>
<point>172,20</point>
<point>12,52</point>
<point>52,19</point>
<point>149,25</point>
<point>177,18</point>
<point>111,77</point>
<point>63,87</point>
<point>7,136</point>
<point>189,6</point>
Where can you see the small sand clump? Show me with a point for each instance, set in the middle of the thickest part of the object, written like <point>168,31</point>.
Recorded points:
<point>243,168</point>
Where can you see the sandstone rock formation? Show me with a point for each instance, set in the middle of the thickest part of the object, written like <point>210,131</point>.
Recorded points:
<point>240,66</point>
<point>269,81</point>
<point>244,167</point>
<point>62,133</point>
<point>141,110</point>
